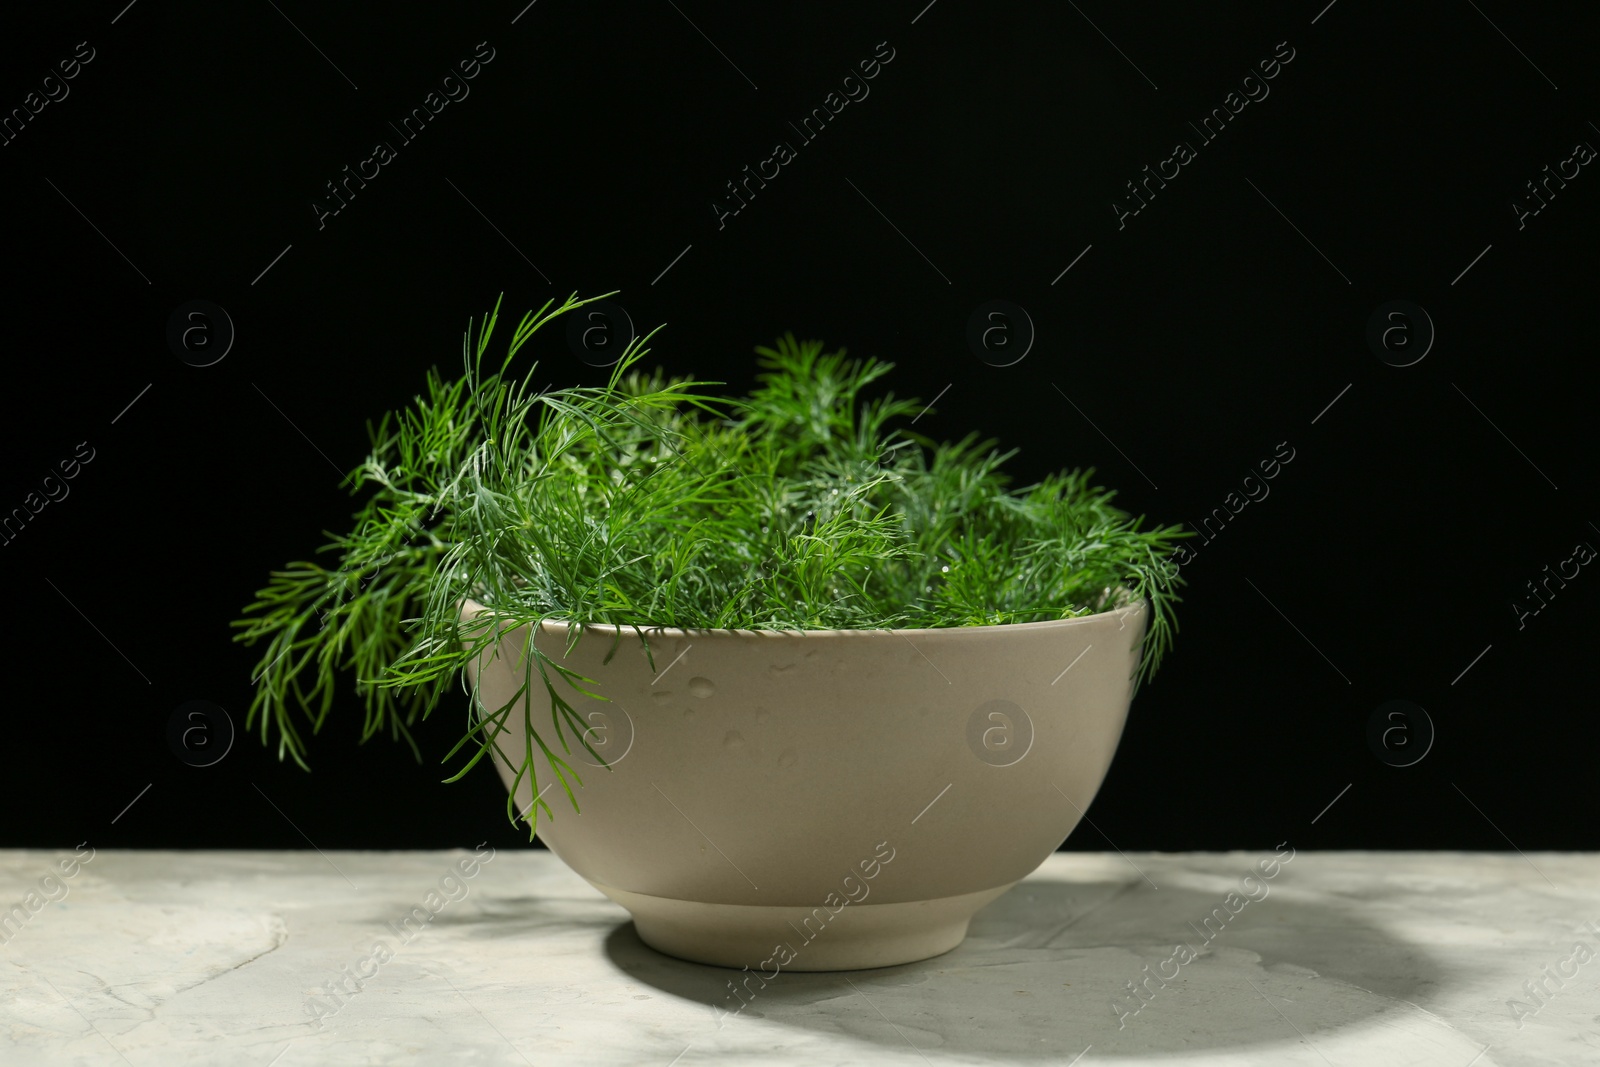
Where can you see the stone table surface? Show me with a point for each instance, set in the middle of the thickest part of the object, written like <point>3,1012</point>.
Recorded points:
<point>237,959</point>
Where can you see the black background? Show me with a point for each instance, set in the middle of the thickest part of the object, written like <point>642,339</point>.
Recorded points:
<point>1211,327</point>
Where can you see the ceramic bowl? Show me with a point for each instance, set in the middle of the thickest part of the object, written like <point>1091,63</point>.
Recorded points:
<point>820,800</point>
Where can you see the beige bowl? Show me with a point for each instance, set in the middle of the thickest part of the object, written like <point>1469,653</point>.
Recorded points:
<point>821,800</point>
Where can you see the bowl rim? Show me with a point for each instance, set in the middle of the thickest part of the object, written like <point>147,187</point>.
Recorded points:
<point>564,627</point>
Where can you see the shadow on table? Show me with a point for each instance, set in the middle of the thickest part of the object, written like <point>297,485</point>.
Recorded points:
<point>1042,967</point>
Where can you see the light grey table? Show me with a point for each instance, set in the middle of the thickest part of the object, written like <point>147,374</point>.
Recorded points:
<point>237,959</point>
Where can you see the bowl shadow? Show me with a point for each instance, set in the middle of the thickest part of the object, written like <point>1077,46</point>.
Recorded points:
<point>1044,972</point>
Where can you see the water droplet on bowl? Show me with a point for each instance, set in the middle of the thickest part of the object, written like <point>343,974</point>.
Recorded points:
<point>788,758</point>
<point>661,696</point>
<point>688,713</point>
<point>779,668</point>
<point>733,739</point>
<point>701,687</point>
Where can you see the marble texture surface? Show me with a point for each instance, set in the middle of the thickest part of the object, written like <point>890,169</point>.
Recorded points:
<point>229,958</point>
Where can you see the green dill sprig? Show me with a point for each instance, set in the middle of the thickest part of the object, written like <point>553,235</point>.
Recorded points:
<point>645,502</point>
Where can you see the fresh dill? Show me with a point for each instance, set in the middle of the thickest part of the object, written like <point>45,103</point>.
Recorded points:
<point>648,503</point>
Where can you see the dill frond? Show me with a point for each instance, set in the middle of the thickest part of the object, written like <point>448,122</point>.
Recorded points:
<point>646,502</point>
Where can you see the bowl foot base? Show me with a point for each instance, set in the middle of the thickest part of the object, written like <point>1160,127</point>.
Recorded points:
<point>853,937</point>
